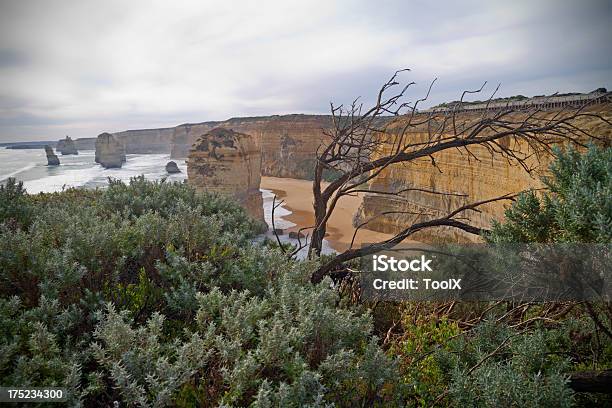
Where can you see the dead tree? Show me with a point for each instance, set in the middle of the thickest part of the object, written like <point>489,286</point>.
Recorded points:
<point>363,142</point>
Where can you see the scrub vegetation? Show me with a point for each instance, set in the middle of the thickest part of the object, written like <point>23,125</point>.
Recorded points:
<point>151,294</point>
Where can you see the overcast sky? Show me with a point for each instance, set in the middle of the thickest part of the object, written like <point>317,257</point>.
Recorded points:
<point>79,67</point>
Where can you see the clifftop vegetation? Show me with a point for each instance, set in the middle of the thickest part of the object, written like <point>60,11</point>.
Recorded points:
<point>153,295</point>
<point>150,294</point>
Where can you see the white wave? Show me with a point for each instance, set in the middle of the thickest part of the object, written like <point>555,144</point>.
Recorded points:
<point>282,223</point>
<point>14,173</point>
<point>151,166</point>
<point>57,182</point>
<point>279,213</point>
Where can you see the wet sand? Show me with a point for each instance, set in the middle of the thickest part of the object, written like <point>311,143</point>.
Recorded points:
<point>297,195</point>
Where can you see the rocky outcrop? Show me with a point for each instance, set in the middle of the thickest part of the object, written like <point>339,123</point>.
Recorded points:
<point>52,159</point>
<point>473,178</point>
<point>288,142</point>
<point>229,163</point>
<point>66,146</point>
<point>110,153</point>
<point>143,141</point>
<point>172,167</point>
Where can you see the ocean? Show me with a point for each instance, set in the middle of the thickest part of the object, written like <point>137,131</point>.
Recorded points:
<point>30,166</point>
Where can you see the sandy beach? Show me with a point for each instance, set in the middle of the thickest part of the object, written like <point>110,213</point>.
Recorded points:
<point>297,195</point>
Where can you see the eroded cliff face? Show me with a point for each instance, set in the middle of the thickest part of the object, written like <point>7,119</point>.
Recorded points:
<point>145,141</point>
<point>288,143</point>
<point>228,162</point>
<point>85,143</point>
<point>110,152</point>
<point>468,178</point>
<point>185,136</point>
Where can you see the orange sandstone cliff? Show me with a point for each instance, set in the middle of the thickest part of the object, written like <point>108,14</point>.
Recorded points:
<point>288,143</point>
<point>468,178</point>
<point>229,163</point>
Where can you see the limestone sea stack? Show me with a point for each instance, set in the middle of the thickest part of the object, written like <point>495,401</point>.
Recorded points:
<point>66,146</point>
<point>172,167</point>
<point>110,152</point>
<point>52,159</point>
<point>229,163</point>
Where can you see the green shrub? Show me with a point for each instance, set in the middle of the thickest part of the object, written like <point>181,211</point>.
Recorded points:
<point>150,294</point>
<point>508,360</point>
<point>15,209</point>
<point>498,366</point>
<point>576,207</point>
<point>423,336</point>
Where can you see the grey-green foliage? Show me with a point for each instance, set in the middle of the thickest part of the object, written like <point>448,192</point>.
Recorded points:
<point>576,208</point>
<point>497,366</point>
<point>146,369</point>
<point>150,294</point>
<point>291,346</point>
<point>36,348</point>
<point>14,207</point>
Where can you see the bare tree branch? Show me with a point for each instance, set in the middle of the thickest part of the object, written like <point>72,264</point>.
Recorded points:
<point>364,142</point>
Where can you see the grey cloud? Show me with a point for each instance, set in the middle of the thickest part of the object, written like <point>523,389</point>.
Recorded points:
<point>12,58</point>
<point>81,68</point>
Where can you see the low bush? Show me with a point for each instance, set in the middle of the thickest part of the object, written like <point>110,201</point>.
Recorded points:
<point>150,294</point>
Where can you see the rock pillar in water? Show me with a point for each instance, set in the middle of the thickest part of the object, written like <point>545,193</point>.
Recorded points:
<point>229,163</point>
<point>66,146</point>
<point>52,159</point>
<point>110,152</point>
